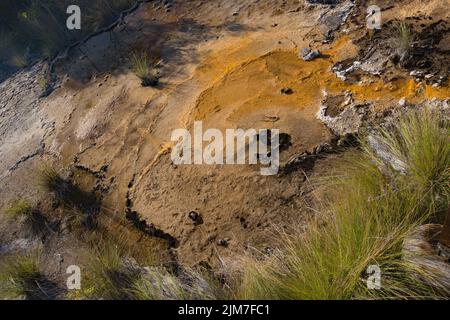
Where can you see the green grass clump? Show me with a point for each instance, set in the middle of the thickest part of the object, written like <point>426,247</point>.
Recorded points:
<point>365,224</point>
<point>190,284</point>
<point>19,61</point>
<point>116,271</point>
<point>17,208</point>
<point>401,40</point>
<point>49,180</point>
<point>140,64</point>
<point>20,277</point>
<point>421,140</point>
<point>143,67</point>
<point>107,276</point>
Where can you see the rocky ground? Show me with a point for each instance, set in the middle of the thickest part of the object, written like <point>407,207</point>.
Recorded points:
<point>309,68</point>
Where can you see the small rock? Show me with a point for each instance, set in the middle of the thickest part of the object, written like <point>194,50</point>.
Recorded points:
<point>196,218</point>
<point>416,73</point>
<point>402,102</point>
<point>287,91</point>
<point>223,242</point>
<point>308,54</point>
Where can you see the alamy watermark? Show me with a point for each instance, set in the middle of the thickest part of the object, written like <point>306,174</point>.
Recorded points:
<point>74,279</point>
<point>231,148</point>
<point>374,277</point>
<point>73,22</point>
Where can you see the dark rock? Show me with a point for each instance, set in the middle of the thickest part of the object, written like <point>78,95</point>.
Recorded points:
<point>150,81</point>
<point>196,218</point>
<point>287,91</point>
<point>420,249</point>
<point>223,242</point>
<point>308,54</point>
<point>284,141</point>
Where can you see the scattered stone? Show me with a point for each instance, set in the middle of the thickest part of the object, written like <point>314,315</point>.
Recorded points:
<point>322,148</point>
<point>150,81</point>
<point>402,102</point>
<point>345,68</point>
<point>196,218</point>
<point>287,91</point>
<point>416,73</point>
<point>307,54</point>
<point>223,242</point>
<point>271,118</point>
<point>59,258</point>
<point>383,153</point>
<point>420,249</point>
<point>243,222</point>
<point>341,114</point>
<point>304,161</point>
<point>392,87</point>
<point>335,17</point>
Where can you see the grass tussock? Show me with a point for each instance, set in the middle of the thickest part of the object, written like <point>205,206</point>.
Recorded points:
<point>365,224</point>
<point>50,180</point>
<point>116,271</point>
<point>189,284</point>
<point>401,40</point>
<point>19,60</point>
<point>108,276</point>
<point>81,206</point>
<point>143,67</point>
<point>23,211</point>
<point>21,278</point>
<point>420,140</point>
<point>18,208</point>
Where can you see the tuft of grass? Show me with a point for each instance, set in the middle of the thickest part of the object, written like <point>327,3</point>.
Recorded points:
<point>19,207</point>
<point>140,64</point>
<point>108,275</point>
<point>43,83</point>
<point>365,224</point>
<point>114,273</point>
<point>49,180</point>
<point>421,140</point>
<point>19,60</point>
<point>401,40</point>
<point>20,277</point>
<point>190,284</point>
<point>81,207</point>
<point>143,67</point>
